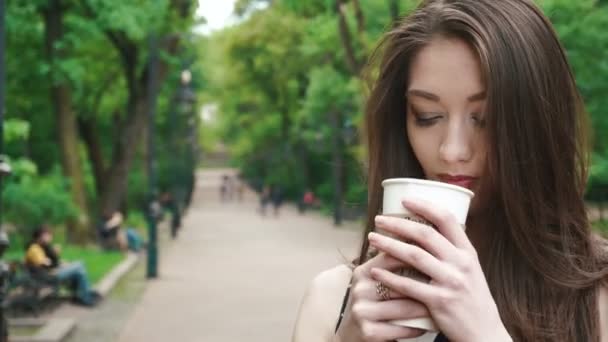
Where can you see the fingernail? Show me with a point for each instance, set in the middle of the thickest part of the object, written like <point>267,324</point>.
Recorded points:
<point>379,219</point>
<point>376,272</point>
<point>372,237</point>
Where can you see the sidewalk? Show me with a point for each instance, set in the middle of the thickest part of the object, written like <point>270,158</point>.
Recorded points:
<point>233,274</point>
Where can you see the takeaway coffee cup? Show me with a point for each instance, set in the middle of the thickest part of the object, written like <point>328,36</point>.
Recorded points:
<point>452,198</point>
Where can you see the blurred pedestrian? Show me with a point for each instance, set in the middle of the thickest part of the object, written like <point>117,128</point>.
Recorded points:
<point>308,200</point>
<point>276,195</point>
<point>113,234</point>
<point>169,203</point>
<point>240,187</point>
<point>224,188</point>
<point>264,199</point>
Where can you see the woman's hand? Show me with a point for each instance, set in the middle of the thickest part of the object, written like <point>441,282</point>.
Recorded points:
<point>457,297</point>
<point>367,313</point>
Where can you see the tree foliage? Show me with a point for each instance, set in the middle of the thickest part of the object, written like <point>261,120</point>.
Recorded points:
<point>293,65</point>
<point>102,61</point>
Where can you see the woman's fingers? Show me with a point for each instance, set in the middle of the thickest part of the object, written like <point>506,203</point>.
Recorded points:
<point>410,288</point>
<point>425,236</point>
<point>381,260</point>
<point>373,304</point>
<point>389,310</point>
<point>382,332</point>
<point>409,254</point>
<point>444,221</point>
<point>367,291</point>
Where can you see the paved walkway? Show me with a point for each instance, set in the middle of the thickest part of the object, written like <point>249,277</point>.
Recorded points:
<point>233,275</point>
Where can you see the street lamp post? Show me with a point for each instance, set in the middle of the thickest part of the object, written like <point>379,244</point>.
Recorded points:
<point>344,134</point>
<point>338,167</point>
<point>2,84</point>
<point>151,208</point>
<point>187,100</point>
<point>4,170</point>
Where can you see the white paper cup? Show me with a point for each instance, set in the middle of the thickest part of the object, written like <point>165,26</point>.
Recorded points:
<point>454,199</point>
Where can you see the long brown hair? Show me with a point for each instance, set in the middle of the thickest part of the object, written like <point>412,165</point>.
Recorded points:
<point>542,263</point>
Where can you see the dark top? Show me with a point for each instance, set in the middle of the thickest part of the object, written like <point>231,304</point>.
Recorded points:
<point>107,232</point>
<point>439,338</point>
<point>51,254</point>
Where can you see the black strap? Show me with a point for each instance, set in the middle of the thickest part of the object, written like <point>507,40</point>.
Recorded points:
<point>344,302</point>
<point>441,338</point>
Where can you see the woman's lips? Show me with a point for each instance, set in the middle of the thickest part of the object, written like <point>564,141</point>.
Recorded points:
<point>460,180</point>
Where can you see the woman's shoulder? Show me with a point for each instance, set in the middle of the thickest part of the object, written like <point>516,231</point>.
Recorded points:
<point>603,307</point>
<point>602,245</point>
<point>336,278</point>
<point>320,306</point>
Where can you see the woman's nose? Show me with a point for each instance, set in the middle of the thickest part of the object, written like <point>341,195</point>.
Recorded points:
<point>456,144</point>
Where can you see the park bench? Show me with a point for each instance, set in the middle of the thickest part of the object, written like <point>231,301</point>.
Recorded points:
<point>29,290</point>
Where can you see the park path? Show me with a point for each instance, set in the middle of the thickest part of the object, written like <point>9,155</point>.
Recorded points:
<point>233,275</point>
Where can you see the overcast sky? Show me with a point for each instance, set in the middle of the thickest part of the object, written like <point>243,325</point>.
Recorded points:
<point>217,12</point>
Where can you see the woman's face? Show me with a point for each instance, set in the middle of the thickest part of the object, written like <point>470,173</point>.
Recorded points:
<point>445,113</point>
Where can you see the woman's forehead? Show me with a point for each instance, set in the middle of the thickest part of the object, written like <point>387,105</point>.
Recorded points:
<point>446,65</point>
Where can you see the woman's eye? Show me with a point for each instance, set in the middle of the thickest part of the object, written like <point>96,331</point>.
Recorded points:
<point>426,119</point>
<point>478,119</point>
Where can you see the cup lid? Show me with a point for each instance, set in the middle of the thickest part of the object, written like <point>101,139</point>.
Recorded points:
<point>428,183</point>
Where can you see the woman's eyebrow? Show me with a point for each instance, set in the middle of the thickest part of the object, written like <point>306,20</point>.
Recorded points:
<point>477,97</point>
<point>423,94</point>
<point>435,98</point>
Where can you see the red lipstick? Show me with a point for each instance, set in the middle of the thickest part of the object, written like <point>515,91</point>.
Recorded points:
<point>460,180</point>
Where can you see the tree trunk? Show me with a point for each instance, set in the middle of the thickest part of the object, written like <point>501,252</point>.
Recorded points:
<point>144,151</point>
<point>338,166</point>
<point>359,16</point>
<point>77,229</point>
<point>127,142</point>
<point>394,9</point>
<point>126,147</point>
<point>88,132</point>
<point>351,58</point>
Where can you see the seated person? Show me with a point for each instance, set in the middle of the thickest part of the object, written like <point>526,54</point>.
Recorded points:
<point>41,256</point>
<point>113,234</point>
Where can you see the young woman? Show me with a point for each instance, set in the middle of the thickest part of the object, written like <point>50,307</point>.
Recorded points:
<point>477,93</point>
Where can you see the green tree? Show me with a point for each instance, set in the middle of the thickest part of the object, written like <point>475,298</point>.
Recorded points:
<point>249,75</point>
<point>76,74</point>
<point>53,13</point>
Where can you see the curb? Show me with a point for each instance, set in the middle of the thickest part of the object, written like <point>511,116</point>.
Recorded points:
<point>107,283</point>
<point>50,330</point>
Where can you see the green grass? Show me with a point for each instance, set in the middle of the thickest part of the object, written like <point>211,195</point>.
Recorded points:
<point>97,262</point>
